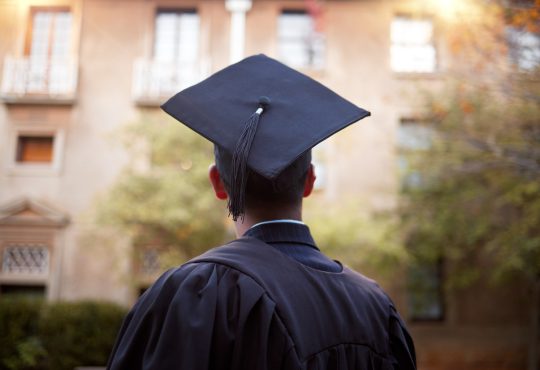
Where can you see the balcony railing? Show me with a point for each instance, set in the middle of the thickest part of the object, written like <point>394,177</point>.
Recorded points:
<point>26,80</point>
<point>155,81</point>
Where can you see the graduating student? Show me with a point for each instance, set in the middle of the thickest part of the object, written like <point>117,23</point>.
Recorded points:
<point>270,299</point>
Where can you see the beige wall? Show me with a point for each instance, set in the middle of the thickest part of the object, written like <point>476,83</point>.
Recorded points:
<point>357,67</point>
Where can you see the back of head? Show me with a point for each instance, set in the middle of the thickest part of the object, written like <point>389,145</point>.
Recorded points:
<point>265,115</point>
<point>285,190</point>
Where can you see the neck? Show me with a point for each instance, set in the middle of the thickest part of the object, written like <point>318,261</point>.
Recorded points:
<point>252,217</point>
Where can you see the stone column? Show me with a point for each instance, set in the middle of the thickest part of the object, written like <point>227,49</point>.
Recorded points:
<point>238,9</point>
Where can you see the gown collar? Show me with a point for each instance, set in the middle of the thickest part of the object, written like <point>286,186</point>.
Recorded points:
<point>282,232</point>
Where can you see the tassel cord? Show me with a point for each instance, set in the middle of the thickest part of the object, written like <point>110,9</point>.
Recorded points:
<point>236,202</point>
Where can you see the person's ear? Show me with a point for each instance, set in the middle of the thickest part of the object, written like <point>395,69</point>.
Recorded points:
<point>310,181</point>
<point>217,183</point>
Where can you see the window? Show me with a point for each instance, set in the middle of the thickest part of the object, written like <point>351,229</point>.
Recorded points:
<point>50,34</point>
<point>299,44</point>
<point>49,50</point>
<point>48,68</point>
<point>414,135</point>
<point>35,149</point>
<point>176,36</point>
<point>25,259</point>
<point>33,291</point>
<point>24,269</point>
<point>31,232</point>
<point>175,62</point>
<point>413,138</point>
<point>426,292</point>
<point>524,49</point>
<point>320,160</point>
<point>150,265</point>
<point>412,49</point>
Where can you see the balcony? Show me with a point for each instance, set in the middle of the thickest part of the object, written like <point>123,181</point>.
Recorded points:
<point>27,81</point>
<point>156,81</point>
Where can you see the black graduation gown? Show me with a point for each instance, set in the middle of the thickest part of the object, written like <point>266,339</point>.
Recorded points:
<point>247,305</point>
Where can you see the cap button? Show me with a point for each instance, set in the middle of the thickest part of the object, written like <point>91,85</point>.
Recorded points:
<point>264,100</point>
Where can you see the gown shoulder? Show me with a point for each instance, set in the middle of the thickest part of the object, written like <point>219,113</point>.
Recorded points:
<point>228,310</point>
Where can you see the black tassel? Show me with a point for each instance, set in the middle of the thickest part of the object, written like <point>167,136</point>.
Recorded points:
<point>237,198</point>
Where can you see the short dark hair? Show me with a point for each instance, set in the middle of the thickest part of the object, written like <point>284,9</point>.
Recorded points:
<point>286,189</point>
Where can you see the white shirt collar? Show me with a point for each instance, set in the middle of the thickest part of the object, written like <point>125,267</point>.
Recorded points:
<point>277,221</point>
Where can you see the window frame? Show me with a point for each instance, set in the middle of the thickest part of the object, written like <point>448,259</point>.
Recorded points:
<point>436,63</point>
<point>312,64</point>
<point>28,279</point>
<point>423,315</point>
<point>30,25</point>
<point>520,49</point>
<point>29,221</point>
<point>408,178</point>
<point>20,151</point>
<point>30,290</point>
<point>50,76</point>
<point>36,168</point>
<point>177,11</point>
<point>27,245</point>
<point>155,79</point>
<point>411,145</point>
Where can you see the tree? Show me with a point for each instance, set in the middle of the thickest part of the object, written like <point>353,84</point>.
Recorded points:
<point>162,199</point>
<point>348,232</point>
<point>479,194</point>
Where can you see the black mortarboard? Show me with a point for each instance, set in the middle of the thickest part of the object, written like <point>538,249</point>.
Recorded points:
<point>264,114</point>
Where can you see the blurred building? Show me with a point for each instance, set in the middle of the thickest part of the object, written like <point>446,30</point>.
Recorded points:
<point>72,72</point>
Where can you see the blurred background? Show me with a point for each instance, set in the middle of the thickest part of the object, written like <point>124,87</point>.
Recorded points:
<point>436,195</point>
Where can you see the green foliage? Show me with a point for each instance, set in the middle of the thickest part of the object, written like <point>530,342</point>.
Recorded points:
<point>28,354</point>
<point>163,198</point>
<point>345,232</point>
<point>478,203</point>
<point>81,333</point>
<point>477,207</point>
<point>19,346</point>
<point>59,336</point>
<point>479,200</point>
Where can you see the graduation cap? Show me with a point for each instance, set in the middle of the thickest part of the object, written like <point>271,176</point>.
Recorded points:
<point>264,114</point>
